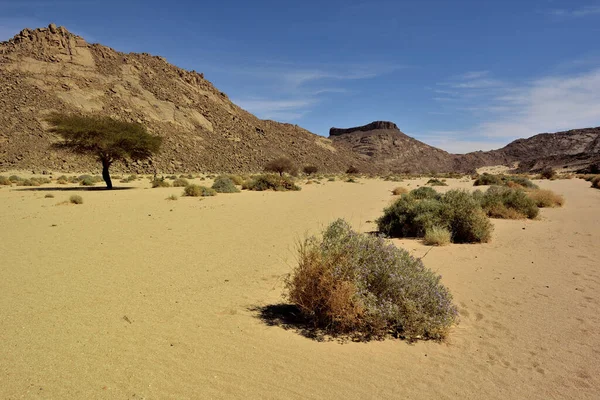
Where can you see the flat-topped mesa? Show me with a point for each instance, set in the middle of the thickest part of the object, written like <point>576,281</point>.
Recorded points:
<point>375,125</point>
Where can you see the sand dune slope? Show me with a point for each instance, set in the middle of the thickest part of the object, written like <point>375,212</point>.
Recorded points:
<point>131,296</point>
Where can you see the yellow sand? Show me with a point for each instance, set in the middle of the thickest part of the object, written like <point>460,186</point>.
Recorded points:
<point>131,296</point>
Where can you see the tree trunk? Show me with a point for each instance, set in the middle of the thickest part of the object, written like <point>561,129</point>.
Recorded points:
<point>105,174</point>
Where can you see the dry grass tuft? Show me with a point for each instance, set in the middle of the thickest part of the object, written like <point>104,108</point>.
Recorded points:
<point>437,236</point>
<point>546,198</point>
<point>400,190</point>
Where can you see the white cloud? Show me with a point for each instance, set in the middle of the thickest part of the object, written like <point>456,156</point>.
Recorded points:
<point>286,109</point>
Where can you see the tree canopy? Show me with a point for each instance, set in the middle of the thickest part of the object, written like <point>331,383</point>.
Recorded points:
<point>108,139</point>
<point>281,165</point>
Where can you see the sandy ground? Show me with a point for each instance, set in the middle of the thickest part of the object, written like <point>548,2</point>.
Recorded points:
<point>131,296</point>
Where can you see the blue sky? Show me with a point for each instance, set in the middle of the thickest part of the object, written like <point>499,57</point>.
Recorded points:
<point>462,75</point>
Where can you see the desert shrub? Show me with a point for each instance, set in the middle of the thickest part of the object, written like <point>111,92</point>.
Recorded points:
<point>596,182</point>
<point>49,196</point>
<point>509,203</point>
<point>351,180</point>
<point>437,236</point>
<point>172,197</point>
<point>224,184</point>
<point>359,285</point>
<point>436,182</point>
<point>5,181</point>
<point>160,183</point>
<point>548,173</point>
<point>457,211</point>
<point>171,177</point>
<point>281,165</point>
<point>519,181</point>
<point>331,179</point>
<point>310,169</point>
<point>424,192</point>
<point>88,181</point>
<point>198,191</point>
<point>76,199</point>
<point>271,182</point>
<point>236,179</point>
<point>15,178</point>
<point>546,198</point>
<point>400,190</point>
<point>352,170</point>
<point>28,182</point>
<point>180,182</point>
<point>487,179</point>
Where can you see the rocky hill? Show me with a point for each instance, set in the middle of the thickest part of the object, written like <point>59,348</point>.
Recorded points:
<point>382,143</point>
<point>50,69</point>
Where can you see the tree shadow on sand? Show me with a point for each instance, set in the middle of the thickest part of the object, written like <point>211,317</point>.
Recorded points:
<point>289,317</point>
<point>73,189</point>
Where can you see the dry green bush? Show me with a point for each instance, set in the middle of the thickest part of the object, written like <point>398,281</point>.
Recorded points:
<point>160,183</point>
<point>358,285</point>
<point>198,191</point>
<point>180,182</point>
<point>237,179</point>
<point>457,210</point>
<point>436,182</point>
<point>437,236</point>
<point>76,199</point>
<point>546,198</point>
<point>508,203</point>
<point>271,182</point>
<point>224,184</point>
<point>399,191</point>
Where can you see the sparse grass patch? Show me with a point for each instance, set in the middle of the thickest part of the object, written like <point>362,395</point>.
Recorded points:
<point>180,182</point>
<point>546,198</point>
<point>172,197</point>
<point>399,191</point>
<point>437,236</point>
<point>361,286</point>
<point>76,199</point>
<point>224,184</point>
<point>198,191</point>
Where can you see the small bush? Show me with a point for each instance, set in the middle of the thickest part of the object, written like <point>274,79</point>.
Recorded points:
<point>331,179</point>
<point>310,169</point>
<point>237,179</point>
<point>180,182</point>
<point>271,182</point>
<point>488,179</point>
<point>424,192</point>
<point>89,181</point>
<point>198,191</point>
<point>49,196</point>
<point>596,182</point>
<point>5,181</point>
<point>546,198</point>
<point>399,191</point>
<point>15,178</point>
<point>359,285</point>
<point>437,236</point>
<point>172,197</point>
<point>518,181</point>
<point>76,199</point>
<point>281,165</point>
<point>509,203</point>
<point>224,184</point>
<point>436,182</point>
<point>28,182</point>
<point>457,210</point>
<point>351,180</point>
<point>548,173</point>
<point>160,183</point>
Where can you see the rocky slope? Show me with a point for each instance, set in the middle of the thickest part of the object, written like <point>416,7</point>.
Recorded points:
<point>382,143</point>
<point>50,69</point>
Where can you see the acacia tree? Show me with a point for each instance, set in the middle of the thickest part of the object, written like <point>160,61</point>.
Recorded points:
<point>106,138</point>
<point>281,165</point>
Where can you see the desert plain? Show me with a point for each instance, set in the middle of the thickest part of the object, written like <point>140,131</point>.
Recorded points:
<point>132,296</point>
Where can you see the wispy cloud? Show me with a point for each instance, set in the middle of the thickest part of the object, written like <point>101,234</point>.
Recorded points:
<point>575,12</point>
<point>510,111</point>
<point>288,92</point>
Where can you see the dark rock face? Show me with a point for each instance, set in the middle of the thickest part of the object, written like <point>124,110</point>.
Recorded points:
<point>365,128</point>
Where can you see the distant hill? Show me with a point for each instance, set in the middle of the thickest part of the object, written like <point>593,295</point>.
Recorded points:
<point>50,69</point>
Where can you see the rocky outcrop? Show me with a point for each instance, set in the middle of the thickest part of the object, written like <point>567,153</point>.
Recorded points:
<point>365,128</point>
